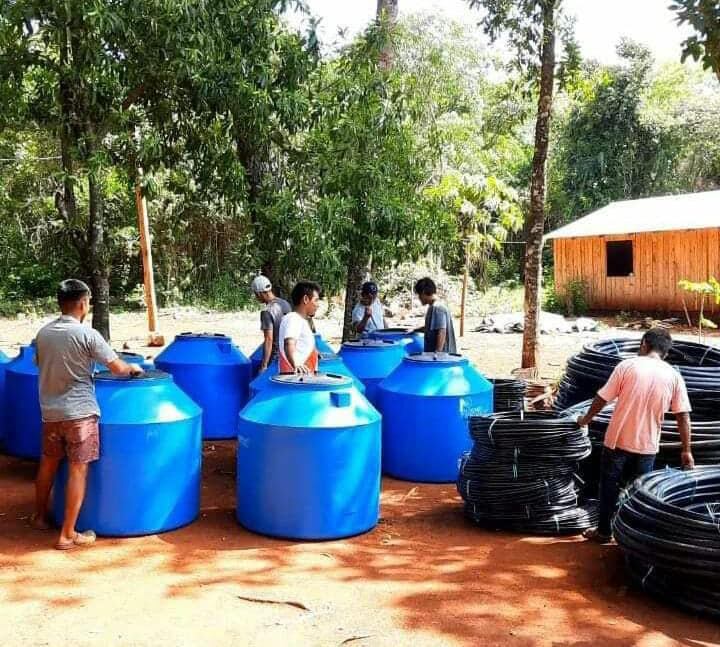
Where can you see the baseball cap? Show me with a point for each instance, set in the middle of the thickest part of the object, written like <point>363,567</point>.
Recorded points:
<point>261,284</point>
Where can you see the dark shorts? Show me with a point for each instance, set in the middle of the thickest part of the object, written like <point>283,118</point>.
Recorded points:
<point>79,440</point>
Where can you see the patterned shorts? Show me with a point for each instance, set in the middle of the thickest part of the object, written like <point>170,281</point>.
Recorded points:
<point>79,440</point>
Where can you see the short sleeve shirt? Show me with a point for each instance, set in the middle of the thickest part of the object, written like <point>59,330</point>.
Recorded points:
<point>271,317</point>
<point>437,318</point>
<point>645,389</point>
<point>295,326</point>
<point>67,351</point>
<point>377,319</point>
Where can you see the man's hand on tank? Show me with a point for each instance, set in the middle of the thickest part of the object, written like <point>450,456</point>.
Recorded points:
<point>302,370</point>
<point>136,370</point>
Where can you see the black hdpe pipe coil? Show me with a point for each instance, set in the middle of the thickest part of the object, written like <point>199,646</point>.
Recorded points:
<point>668,527</point>
<point>521,473</point>
<point>588,371</point>
<point>508,394</point>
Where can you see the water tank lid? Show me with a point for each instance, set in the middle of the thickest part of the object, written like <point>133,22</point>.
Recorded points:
<point>370,343</point>
<point>327,356</point>
<point>205,336</point>
<point>405,331</point>
<point>153,374</point>
<point>437,358</point>
<point>317,379</point>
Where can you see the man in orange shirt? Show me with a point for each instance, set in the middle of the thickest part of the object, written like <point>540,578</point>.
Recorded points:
<point>645,387</point>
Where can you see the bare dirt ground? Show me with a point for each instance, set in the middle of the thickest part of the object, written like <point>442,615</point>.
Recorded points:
<point>423,577</point>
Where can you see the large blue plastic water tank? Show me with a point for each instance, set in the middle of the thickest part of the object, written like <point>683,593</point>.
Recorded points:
<point>329,363</point>
<point>4,360</point>
<point>425,404</point>
<point>256,358</point>
<point>130,358</point>
<point>214,373</point>
<point>414,342</point>
<point>23,431</point>
<point>147,479</point>
<point>371,361</point>
<point>308,459</point>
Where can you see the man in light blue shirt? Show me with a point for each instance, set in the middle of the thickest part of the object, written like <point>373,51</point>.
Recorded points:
<point>367,315</point>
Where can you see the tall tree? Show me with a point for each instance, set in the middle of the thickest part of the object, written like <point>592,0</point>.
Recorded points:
<point>704,17</point>
<point>360,259</point>
<point>531,25</point>
<point>55,63</point>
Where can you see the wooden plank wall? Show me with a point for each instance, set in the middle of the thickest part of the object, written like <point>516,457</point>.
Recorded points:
<point>661,259</point>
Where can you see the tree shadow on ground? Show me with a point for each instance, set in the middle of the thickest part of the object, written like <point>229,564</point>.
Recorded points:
<point>424,565</point>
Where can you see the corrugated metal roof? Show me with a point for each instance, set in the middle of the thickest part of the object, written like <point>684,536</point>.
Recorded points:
<point>667,213</point>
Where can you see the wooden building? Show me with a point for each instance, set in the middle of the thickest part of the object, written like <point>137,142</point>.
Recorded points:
<point>632,254</point>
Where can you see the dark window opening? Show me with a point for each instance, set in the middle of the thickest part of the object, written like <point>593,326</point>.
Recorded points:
<point>619,257</point>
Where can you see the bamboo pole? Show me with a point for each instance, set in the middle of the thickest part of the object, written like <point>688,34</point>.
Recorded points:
<point>154,337</point>
<point>466,278</point>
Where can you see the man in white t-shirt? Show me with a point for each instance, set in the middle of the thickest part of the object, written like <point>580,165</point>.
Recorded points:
<point>367,316</point>
<point>296,341</point>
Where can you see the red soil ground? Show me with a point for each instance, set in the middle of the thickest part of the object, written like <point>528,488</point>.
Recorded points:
<point>424,576</point>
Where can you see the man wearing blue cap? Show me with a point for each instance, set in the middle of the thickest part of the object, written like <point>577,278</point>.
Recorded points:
<point>367,315</point>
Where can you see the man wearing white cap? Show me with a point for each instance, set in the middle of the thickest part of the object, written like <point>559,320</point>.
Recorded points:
<point>270,317</point>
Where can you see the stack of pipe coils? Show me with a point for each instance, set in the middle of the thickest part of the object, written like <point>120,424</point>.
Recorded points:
<point>588,371</point>
<point>508,395</point>
<point>667,527</point>
<point>705,442</point>
<point>521,473</point>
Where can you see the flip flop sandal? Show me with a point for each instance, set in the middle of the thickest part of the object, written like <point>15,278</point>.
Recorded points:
<point>81,539</point>
<point>39,523</point>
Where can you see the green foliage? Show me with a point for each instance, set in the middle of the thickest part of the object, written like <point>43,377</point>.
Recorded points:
<point>631,131</point>
<point>704,18</point>
<point>572,303</point>
<point>576,298</point>
<point>484,210</point>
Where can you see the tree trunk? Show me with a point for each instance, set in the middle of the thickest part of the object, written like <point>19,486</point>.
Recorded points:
<point>463,298</point>
<point>356,273</point>
<point>97,256</point>
<point>387,10</point>
<point>536,224</point>
<point>360,260</point>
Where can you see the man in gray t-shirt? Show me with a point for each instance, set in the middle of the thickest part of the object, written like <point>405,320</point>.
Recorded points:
<point>270,318</point>
<point>439,330</point>
<point>67,352</point>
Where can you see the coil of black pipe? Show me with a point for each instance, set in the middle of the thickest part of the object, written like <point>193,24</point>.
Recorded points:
<point>705,442</point>
<point>668,527</point>
<point>588,371</point>
<point>508,394</point>
<point>521,473</point>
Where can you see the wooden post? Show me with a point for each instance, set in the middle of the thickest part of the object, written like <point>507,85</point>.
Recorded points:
<point>466,278</point>
<point>154,337</point>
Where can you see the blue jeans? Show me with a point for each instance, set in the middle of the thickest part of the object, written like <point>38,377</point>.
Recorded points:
<point>618,469</point>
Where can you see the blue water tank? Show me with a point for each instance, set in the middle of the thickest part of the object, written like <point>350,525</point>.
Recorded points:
<point>320,344</point>
<point>414,342</point>
<point>23,431</point>
<point>4,360</point>
<point>371,361</point>
<point>329,363</point>
<point>214,373</point>
<point>425,404</point>
<point>147,479</point>
<point>130,358</point>
<point>308,459</point>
